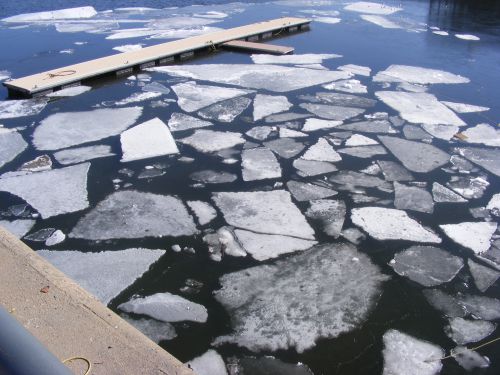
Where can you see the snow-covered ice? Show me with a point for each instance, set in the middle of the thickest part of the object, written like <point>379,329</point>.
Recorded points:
<point>80,154</point>
<point>180,121</point>
<point>55,238</point>
<point>306,191</point>
<point>313,124</point>
<point>494,203</point>
<point>260,133</point>
<point>204,211</point>
<point>340,99</point>
<point>138,97</point>
<point>21,108</point>
<point>464,108</point>
<point>290,133</point>
<point>18,227</point>
<point>445,132</point>
<point>360,140</point>
<point>288,116</point>
<point>11,145</point>
<point>371,8</point>
<point>223,242</point>
<point>209,363</point>
<point>328,20</point>
<point>60,14</point>
<point>322,151</point>
<point>380,21</point>
<point>265,105</point>
<point>259,164</point>
<point>469,359</point>
<point>445,303</point>
<point>285,147</point>
<point>309,58</point>
<point>212,141</point>
<point>412,198</point>
<point>419,75</point>
<point>350,180</point>
<point>472,235</point>
<point>469,187</point>
<point>442,194</point>
<point>464,331</point>
<point>225,111</point>
<point>483,133</point>
<point>330,213</point>
<point>332,112</point>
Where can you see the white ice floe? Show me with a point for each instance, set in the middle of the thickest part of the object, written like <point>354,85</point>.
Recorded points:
<point>447,304</point>
<point>412,198</point>
<point>4,75</point>
<point>313,124</point>
<point>419,108</point>
<point>328,20</point>
<point>285,147</point>
<point>332,112</point>
<point>310,58</point>
<point>52,192</point>
<point>352,86</point>
<point>442,194</point>
<point>193,96</point>
<point>469,187</point>
<point>364,152</point>
<point>330,213</point>
<point>18,227</point>
<point>427,265</point>
<point>405,354</point>
<point>350,180</point>
<point>209,363</point>
<point>11,144</point>
<point>440,32</point>
<point>360,140</point>
<point>467,37</point>
<point>153,329</point>
<point>166,307</point>
<point>305,191</point>
<point>469,359</point>
<point>483,276</point>
<point>309,168</point>
<point>341,100</point>
<point>322,151</point>
<point>269,212</point>
<point>370,126</point>
<point>138,97</point>
<point>225,111</point>
<point>128,47</point>
<point>416,156</point>
<point>211,141</point>
<point>65,129</point>
<point>55,238</point>
<point>21,108</point>
<point>481,307</point>
<point>380,21</point>
<point>267,246</point>
<point>488,159</point>
<point>223,242</point>
<point>464,108</point>
<point>80,154</point>
<point>356,69</point>
<point>371,8</point>
<point>283,117</point>
<point>147,140</point>
<point>180,121</point>
<point>417,74</point>
<point>472,235</point>
<point>464,331</point>
<point>104,274</point>
<point>290,133</point>
<point>260,133</point>
<point>265,105</point>
<point>268,77</point>
<point>209,176</point>
<point>70,91</point>
<point>312,66</point>
<point>390,224</point>
<point>204,212</point>
<point>296,301</point>
<point>133,214</point>
<point>60,14</point>
<point>483,133</point>
<point>494,203</point>
<point>445,132</point>
<point>259,164</point>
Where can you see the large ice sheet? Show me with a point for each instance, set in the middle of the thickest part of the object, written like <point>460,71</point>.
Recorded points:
<point>416,74</point>
<point>65,129</point>
<point>412,198</point>
<point>80,154</point>
<point>225,111</point>
<point>134,214</point>
<point>104,274</point>
<point>11,145</point>
<point>330,213</point>
<point>472,235</point>
<point>18,227</point>
<point>269,77</point>
<point>209,363</point>
<point>419,108</point>
<point>60,14</point>
<point>52,192</point>
<point>193,96</point>
<point>332,112</point>
<point>269,212</point>
<point>259,164</point>
<point>488,159</point>
<point>180,121</point>
<point>390,224</point>
<point>308,58</point>
<point>211,141</point>
<point>147,140</point>
<point>21,108</point>
<point>416,156</point>
<point>371,8</point>
<point>464,331</point>
<point>296,301</point>
<point>322,151</point>
<point>265,105</point>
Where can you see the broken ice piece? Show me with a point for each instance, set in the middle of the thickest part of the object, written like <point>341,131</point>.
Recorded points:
<point>371,8</point>
<point>488,159</point>
<point>483,276</point>
<point>464,108</point>
<point>259,164</point>
<point>40,163</point>
<point>370,126</point>
<point>225,111</point>
<point>70,91</point>
<point>467,37</point>
<point>442,194</point>
<point>393,171</point>
<point>260,133</point>
<point>332,112</point>
<point>472,235</point>
<point>469,187</point>
<point>153,329</point>
<point>55,238</point>
<point>138,97</point>
<point>18,227</point>
<point>209,176</point>
<point>309,168</point>
<point>212,141</point>
<point>352,86</point>
<point>416,74</point>
<point>412,198</point>
<point>290,133</point>
<point>380,21</point>
<point>469,359</point>
<point>464,331</point>
<point>265,105</point>
<point>210,363</point>
<point>445,303</point>
<point>353,235</point>
<point>21,108</point>
<point>180,121</point>
<point>483,133</point>
<point>313,124</point>
<point>364,152</point>
<point>360,140</point>
<point>356,69</point>
<point>81,154</point>
<point>268,365</point>
<point>285,147</point>
<point>330,213</point>
<point>223,242</point>
<point>322,151</point>
<point>305,191</point>
<point>11,145</point>
<point>309,58</point>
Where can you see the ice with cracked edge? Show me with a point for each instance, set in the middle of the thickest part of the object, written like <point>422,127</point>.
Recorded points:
<point>265,105</point>
<point>21,108</point>
<point>380,21</point>
<point>313,124</point>
<point>332,112</point>
<point>371,8</point>
<point>330,213</point>
<point>416,74</point>
<point>80,154</point>
<point>472,235</point>
<point>356,69</point>
<point>225,111</point>
<point>469,359</point>
<point>483,133</point>
<point>488,159</point>
<point>309,58</point>
<point>464,108</point>
<point>285,147</point>
<point>153,329</point>
<point>363,151</point>
<point>212,141</point>
<point>443,194</point>
<point>60,14</point>
<point>352,86</point>
<point>70,91</point>
<point>322,151</point>
<point>412,198</point>
<point>180,121</point>
<point>204,212</point>
<point>209,363</point>
<point>18,227</point>
<point>11,145</point>
<point>464,331</point>
<point>306,191</point>
<point>483,276</point>
<point>259,164</point>
<point>393,171</point>
<point>308,168</point>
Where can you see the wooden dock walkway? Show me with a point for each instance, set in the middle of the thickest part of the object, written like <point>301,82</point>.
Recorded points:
<point>127,62</point>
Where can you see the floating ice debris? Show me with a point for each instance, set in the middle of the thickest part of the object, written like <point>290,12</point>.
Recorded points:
<point>150,173</point>
<point>329,20</point>
<point>153,329</point>
<point>166,307</point>
<point>268,77</point>
<point>295,301</point>
<point>210,363</point>
<point>282,117</point>
<point>259,164</point>
<point>483,133</point>
<point>469,359</point>
<point>464,108</point>
<point>11,145</point>
<point>370,126</point>
<point>494,203</point>
<point>21,108</point>
<point>40,235</point>
<point>270,212</point>
<point>269,365</point>
<point>412,198</point>
<point>445,132</point>
<point>55,238</point>
<point>78,155</point>
<point>285,147</point>
<point>371,8</point>
<point>416,74</point>
<point>481,307</point>
<point>292,59</point>
<point>260,133</point>
<point>204,212</point>
<point>52,192</point>
<point>394,171</point>
<point>419,108</point>
<point>180,121</point>
<point>147,140</point>
<point>223,242</point>
<point>267,246</point>
<point>213,177</point>
<point>427,265</point>
<point>373,169</point>
<point>60,14</point>
<point>330,213</point>
<point>133,214</point>
<point>353,235</point>
<point>104,274</point>
<point>411,87</point>
<point>464,331</point>
<point>308,168</point>
<point>445,303</point>
<point>405,354</point>
<point>467,37</point>
<point>356,69</point>
<point>138,97</point>
<point>339,99</point>
<point>363,151</point>
<point>390,224</point>
<point>265,105</point>
<point>472,235</point>
<point>350,180</point>
<point>132,33</point>
<point>312,66</point>
<point>4,74</point>
<point>380,21</point>
<point>290,133</point>
<point>70,91</point>
<point>488,159</point>
<point>440,32</point>
<point>183,33</point>
<point>66,129</point>
<point>442,194</point>
<point>305,191</point>
<point>468,187</point>
<point>18,227</point>
<point>225,111</point>
<point>313,124</point>
<point>128,47</point>
<point>322,151</point>
<point>352,86</point>
<point>156,87</point>
<point>211,141</point>
<point>416,156</point>
<point>412,132</point>
<point>360,140</point>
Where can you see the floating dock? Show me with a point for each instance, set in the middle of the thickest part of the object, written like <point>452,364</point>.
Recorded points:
<point>161,54</point>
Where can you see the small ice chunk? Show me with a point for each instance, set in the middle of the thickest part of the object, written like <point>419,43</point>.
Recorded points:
<point>329,20</point>
<point>260,133</point>
<point>445,132</point>
<point>147,140</point>
<point>488,159</point>
<point>225,111</point>
<point>60,14</point>
<point>405,354</point>
<point>138,97</point>
<point>464,108</point>
<point>353,235</point>
<point>309,58</point>
<point>332,112</point>
<point>204,212</point>
<point>350,180</point>
<point>427,265</point>
<point>370,126</point>
<point>371,8</point>
<point>472,235</point>
<point>210,363</point>
<point>180,121</point>
<point>467,37</point>
<point>18,227</point>
<point>412,198</point>
<point>373,169</point>
<point>469,359</point>
<point>290,133</point>
<point>483,133</point>
<point>78,155</point>
<point>128,47</point>
<point>393,171</point>
<point>305,191</point>
<point>259,164</point>
<point>70,91</point>
<point>380,21</point>
<point>156,87</point>
<point>416,74</point>
<point>468,186</point>
<point>440,32</point>
<point>309,168</point>
<point>322,151</point>
<point>4,75</point>
<point>442,194</point>
<point>21,108</point>
<point>352,86</point>
<point>416,156</point>
<point>166,307</point>
<point>330,213</point>
<point>153,329</point>
<point>40,235</point>
<point>363,151</point>
<point>288,116</point>
<point>55,238</point>
<point>390,224</point>
<point>11,145</point>
<point>356,69</point>
<point>223,242</point>
<point>313,124</point>
<point>445,303</point>
<point>209,176</point>
<point>481,307</point>
<point>285,147</point>
<point>464,331</point>
<point>133,214</point>
<point>269,365</point>
<point>494,203</point>
<point>265,105</point>
<point>212,141</point>
<point>339,99</point>
<point>360,140</point>
<point>104,274</point>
